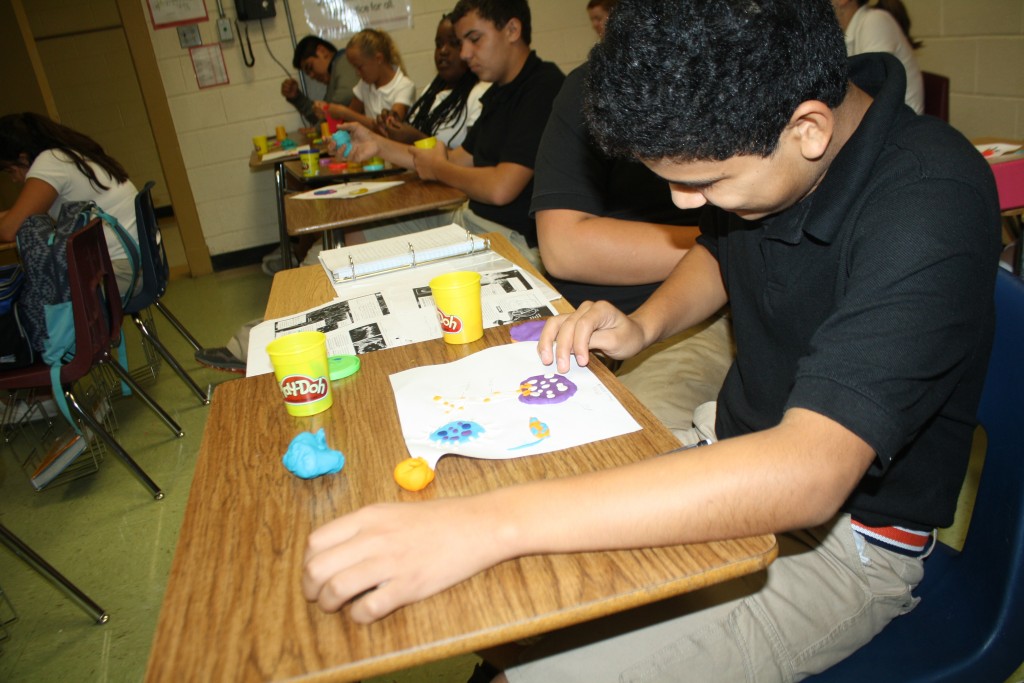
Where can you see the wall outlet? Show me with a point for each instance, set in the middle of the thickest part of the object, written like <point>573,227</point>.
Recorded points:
<point>188,35</point>
<point>224,30</point>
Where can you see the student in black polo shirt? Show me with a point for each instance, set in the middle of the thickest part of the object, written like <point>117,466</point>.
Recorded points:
<point>494,166</point>
<point>857,244</point>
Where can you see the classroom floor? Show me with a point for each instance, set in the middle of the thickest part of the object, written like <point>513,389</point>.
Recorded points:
<point>107,535</point>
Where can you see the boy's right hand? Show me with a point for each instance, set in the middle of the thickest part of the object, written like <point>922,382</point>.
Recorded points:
<point>365,144</point>
<point>290,89</point>
<point>594,325</point>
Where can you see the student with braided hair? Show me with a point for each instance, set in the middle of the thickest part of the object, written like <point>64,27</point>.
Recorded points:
<point>382,84</point>
<point>449,105</point>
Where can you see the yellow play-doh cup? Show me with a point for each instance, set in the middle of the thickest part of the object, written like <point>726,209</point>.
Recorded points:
<point>302,372</point>
<point>260,143</point>
<point>281,133</point>
<point>457,299</point>
<point>310,162</point>
<point>426,143</point>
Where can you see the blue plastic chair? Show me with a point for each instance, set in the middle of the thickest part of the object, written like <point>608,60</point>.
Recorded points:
<point>155,273</point>
<point>969,625</point>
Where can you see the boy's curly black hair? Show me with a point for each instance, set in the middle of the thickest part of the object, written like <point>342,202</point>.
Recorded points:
<point>690,80</point>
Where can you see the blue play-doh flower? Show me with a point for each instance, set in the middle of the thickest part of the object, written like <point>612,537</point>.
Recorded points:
<point>308,456</point>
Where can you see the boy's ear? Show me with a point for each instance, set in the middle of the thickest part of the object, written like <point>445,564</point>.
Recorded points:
<point>813,124</point>
<point>513,29</point>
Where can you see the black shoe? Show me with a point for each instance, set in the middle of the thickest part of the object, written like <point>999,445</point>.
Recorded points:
<point>219,358</point>
<point>483,673</point>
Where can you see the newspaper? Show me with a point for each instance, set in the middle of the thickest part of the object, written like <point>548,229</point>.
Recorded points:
<point>396,310</point>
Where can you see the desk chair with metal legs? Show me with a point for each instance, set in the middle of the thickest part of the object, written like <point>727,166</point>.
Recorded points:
<point>97,327</point>
<point>32,559</point>
<point>936,95</point>
<point>155,273</point>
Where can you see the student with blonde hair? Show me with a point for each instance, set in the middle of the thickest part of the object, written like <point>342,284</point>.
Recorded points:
<point>382,84</point>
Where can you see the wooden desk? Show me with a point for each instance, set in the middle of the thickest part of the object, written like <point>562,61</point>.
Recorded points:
<point>304,216</point>
<point>233,610</point>
<point>1008,170</point>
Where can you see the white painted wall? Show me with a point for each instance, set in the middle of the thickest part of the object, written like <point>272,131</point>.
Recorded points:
<point>215,125</point>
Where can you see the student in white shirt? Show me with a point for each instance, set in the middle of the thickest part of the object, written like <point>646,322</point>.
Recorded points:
<point>884,27</point>
<point>56,165</point>
<point>382,82</point>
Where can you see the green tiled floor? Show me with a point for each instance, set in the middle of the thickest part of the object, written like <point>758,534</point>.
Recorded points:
<point>106,533</point>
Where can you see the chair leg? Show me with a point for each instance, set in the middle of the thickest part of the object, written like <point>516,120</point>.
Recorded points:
<point>99,430</point>
<point>29,556</point>
<point>177,325</point>
<point>171,360</point>
<point>146,398</point>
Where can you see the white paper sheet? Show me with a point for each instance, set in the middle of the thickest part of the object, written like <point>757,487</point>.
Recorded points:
<point>996,149</point>
<point>503,403</point>
<point>282,154</point>
<point>395,313</point>
<point>347,190</point>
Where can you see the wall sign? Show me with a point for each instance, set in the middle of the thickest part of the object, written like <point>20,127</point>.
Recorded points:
<point>334,19</point>
<point>165,13</point>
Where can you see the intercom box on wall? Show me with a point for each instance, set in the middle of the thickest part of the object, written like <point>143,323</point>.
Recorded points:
<point>255,9</point>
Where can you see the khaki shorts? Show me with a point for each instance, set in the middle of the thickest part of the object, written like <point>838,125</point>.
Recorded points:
<point>823,598</point>
<point>673,377</point>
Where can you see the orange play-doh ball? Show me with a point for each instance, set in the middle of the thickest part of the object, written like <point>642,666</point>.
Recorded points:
<point>413,474</point>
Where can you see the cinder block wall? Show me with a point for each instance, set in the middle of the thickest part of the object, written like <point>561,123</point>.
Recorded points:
<point>215,125</point>
<point>979,45</point>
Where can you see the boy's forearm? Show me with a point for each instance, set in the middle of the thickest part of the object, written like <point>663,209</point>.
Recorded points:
<point>794,476</point>
<point>599,250</point>
<point>691,294</point>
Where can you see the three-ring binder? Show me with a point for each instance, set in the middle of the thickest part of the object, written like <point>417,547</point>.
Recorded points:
<point>405,254</point>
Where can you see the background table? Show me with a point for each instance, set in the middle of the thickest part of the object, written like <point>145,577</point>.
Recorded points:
<point>413,196</point>
<point>233,608</point>
<point>257,162</point>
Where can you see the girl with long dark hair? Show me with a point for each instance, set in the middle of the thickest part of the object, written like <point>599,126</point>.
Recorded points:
<point>56,165</point>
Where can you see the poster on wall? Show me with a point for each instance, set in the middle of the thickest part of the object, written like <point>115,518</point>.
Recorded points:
<point>336,19</point>
<point>166,13</point>
<point>208,63</point>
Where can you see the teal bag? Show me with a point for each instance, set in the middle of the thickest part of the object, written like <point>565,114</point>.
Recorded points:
<point>45,302</point>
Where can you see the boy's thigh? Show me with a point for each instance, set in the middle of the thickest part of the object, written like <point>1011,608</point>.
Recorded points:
<point>815,605</point>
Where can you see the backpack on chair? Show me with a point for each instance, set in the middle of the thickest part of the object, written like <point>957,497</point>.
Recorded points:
<point>45,302</point>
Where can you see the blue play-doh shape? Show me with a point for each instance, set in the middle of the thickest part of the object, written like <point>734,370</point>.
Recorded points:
<point>455,433</point>
<point>288,143</point>
<point>343,140</point>
<point>308,456</point>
